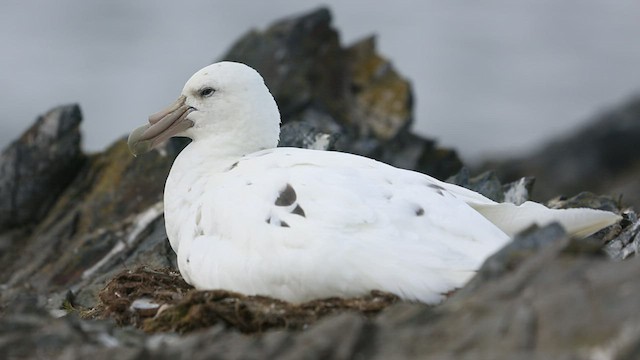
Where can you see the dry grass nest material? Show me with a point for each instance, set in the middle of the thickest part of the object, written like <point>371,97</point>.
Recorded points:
<point>159,300</point>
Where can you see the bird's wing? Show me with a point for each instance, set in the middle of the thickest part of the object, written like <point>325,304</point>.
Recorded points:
<point>511,218</point>
<point>343,192</point>
<point>392,229</point>
<point>579,222</point>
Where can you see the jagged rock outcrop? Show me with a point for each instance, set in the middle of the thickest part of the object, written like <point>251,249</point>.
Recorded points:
<point>350,91</point>
<point>37,167</point>
<point>107,218</point>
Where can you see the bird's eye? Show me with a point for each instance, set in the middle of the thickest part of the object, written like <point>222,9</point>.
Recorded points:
<point>206,92</point>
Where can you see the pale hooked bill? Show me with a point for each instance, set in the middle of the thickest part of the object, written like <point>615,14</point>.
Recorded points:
<point>300,224</point>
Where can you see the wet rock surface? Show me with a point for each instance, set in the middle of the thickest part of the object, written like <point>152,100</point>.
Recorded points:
<point>89,273</point>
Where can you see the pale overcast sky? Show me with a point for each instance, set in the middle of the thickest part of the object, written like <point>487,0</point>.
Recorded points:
<point>497,76</point>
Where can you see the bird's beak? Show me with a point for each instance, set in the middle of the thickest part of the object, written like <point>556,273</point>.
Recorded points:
<point>162,125</point>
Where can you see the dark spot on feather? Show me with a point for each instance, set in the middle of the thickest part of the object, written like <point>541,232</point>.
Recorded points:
<point>449,293</point>
<point>287,196</point>
<point>271,221</point>
<point>188,260</point>
<point>419,211</point>
<point>298,211</point>
<point>233,166</point>
<point>439,189</point>
<point>249,183</point>
<point>198,216</point>
<point>389,181</point>
<point>264,152</point>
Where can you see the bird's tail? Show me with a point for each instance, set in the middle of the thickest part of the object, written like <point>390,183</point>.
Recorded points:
<point>511,219</point>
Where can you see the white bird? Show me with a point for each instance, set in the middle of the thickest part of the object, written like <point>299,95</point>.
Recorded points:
<point>297,224</point>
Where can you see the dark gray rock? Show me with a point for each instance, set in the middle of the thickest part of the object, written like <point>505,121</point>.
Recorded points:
<point>38,336</point>
<point>486,183</point>
<point>586,199</point>
<point>107,218</point>
<point>301,61</point>
<point>627,243</point>
<point>523,246</point>
<point>548,306</point>
<point>489,185</point>
<point>304,135</point>
<point>604,158</point>
<point>352,93</point>
<point>38,166</point>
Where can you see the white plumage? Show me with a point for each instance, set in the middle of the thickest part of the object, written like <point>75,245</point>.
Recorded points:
<point>300,224</point>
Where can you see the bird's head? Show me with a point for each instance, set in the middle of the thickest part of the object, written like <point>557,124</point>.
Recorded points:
<point>226,103</point>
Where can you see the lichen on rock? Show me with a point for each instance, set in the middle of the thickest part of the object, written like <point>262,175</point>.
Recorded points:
<point>383,99</point>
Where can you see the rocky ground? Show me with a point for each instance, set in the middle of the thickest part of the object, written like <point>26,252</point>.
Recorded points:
<point>603,157</point>
<point>88,271</point>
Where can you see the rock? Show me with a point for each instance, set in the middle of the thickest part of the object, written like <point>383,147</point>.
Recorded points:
<point>531,300</point>
<point>490,186</point>
<point>38,166</point>
<point>107,218</point>
<point>409,151</point>
<point>627,243</point>
<point>36,335</point>
<point>352,91</point>
<point>303,135</point>
<point>301,61</point>
<point>602,158</point>
<point>585,199</point>
<point>552,305</point>
<point>486,184</point>
<point>519,191</point>
<point>523,246</point>
<point>382,99</point>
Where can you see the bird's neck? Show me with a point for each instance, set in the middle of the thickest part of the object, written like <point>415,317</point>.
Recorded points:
<point>205,161</point>
<point>221,150</point>
<point>196,168</point>
<point>200,159</point>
